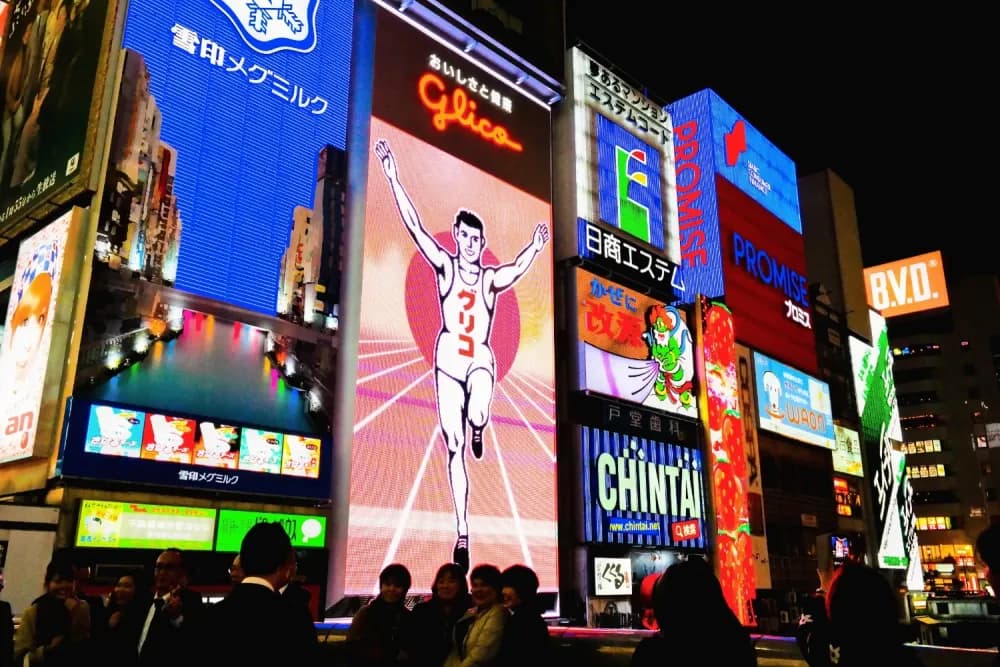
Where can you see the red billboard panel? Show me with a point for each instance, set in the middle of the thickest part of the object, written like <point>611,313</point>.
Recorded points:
<point>767,287</point>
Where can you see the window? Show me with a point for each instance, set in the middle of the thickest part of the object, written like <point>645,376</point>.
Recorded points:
<point>905,375</point>
<point>926,349</point>
<point>933,523</point>
<point>979,441</point>
<point>924,471</point>
<point>917,397</point>
<point>922,446</point>
<point>937,497</point>
<point>986,468</point>
<point>927,420</point>
<point>976,512</point>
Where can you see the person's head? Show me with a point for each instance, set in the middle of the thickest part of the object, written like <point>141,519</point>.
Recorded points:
<point>687,595</point>
<point>486,585</point>
<point>28,322</point>
<point>450,584</point>
<point>125,589</point>
<point>393,582</point>
<point>236,573</point>
<point>988,548</point>
<point>470,239</point>
<point>862,607</point>
<point>266,552</point>
<point>59,580</point>
<point>170,571</point>
<point>520,586</point>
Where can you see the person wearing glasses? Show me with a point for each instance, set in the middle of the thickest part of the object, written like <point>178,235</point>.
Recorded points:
<point>172,614</point>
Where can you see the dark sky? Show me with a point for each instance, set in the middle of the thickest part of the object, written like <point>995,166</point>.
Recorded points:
<point>890,109</point>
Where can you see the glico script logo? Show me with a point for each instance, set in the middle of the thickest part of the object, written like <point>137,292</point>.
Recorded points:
<point>269,26</point>
<point>629,183</point>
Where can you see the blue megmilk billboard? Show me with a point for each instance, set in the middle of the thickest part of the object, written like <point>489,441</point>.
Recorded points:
<point>710,138</point>
<point>247,94</point>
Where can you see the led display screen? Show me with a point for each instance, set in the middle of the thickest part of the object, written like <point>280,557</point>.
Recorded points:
<point>27,336</point>
<point>633,347</point>
<point>792,403</point>
<point>720,408</point>
<point>767,287</point>
<point>49,66</point>
<point>755,487</point>
<point>847,455</point>
<point>907,285</point>
<point>232,106</point>
<point>642,492</point>
<point>121,525</point>
<point>454,452</point>
<point>123,442</point>
<point>881,436</point>
<point>623,141</point>
<point>306,531</point>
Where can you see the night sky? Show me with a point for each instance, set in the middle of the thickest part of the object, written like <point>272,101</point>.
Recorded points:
<point>885,109</point>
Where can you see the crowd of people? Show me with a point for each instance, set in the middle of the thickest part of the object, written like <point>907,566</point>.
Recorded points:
<point>486,619</point>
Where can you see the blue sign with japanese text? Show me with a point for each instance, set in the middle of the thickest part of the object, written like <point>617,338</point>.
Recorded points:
<point>246,95</point>
<point>793,404</point>
<point>641,492</point>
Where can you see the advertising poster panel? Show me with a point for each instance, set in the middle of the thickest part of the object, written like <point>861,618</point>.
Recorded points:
<point>907,285</point>
<point>454,453</point>
<point>793,404</point>
<point>755,488</point>
<point>767,287</point>
<point>108,524</point>
<point>642,492</point>
<point>623,142</point>
<point>720,409</point>
<point>27,337</point>
<point>306,531</point>
<point>847,456</point>
<point>881,435</point>
<point>633,347</point>
<point>236,114</point>
<point>51,59</point>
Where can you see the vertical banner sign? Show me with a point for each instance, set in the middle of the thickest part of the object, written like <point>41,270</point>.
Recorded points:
<point>755,489</point>
<point>633,347</point>
<point>27,336</point>
<point>625,173</point>
<point>642,492</point>
<point>49,68</point>
<point>880,433</point>
<point>720,407</point>
<point>454,455</point>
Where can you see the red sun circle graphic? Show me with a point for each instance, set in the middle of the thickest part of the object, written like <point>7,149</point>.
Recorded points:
<point>423,309</point>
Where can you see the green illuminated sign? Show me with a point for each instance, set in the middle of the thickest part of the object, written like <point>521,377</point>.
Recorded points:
<point>305,530</point>
<point>116,525</point>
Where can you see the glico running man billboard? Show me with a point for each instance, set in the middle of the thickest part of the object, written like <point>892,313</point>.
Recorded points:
<point>454,453</point>
<point>633,347</point>
<point>881,435</point>
<point>624,167</point>
<point>642,492</point>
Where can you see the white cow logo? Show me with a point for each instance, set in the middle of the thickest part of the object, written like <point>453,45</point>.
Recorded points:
<point>772,387</point>
<point>269,26</point>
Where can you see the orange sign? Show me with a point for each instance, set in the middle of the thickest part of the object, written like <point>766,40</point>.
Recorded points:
<point>458,108</point>
<point>612,317</point>
<point>907,285</point>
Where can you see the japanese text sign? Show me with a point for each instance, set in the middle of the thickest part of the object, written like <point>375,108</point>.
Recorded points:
<point>793,404</point>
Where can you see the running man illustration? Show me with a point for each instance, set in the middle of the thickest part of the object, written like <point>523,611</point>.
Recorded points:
<point>463,359</point>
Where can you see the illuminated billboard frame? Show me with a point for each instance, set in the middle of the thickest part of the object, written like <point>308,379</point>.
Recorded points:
<point>111,524</point>
<point>847,457</point>
<point>642,492</point>
<point>792,403</point>
<point>126,442</point>
<point>633,347</point>
<point>720,408</point>
<point>625,175</point>
<point>465,397</point>
<point>26,339</point>
<point>910,285</point>
<point>881,435</point>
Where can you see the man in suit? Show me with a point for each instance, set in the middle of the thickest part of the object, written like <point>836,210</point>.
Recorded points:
<point>6,631</point>
<point>255,624</point>
<point>171,620</point>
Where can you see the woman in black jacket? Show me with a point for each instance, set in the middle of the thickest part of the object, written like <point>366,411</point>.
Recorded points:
<point>432,621</point>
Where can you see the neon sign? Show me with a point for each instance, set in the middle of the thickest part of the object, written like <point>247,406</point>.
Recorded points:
<point>458,108</point>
